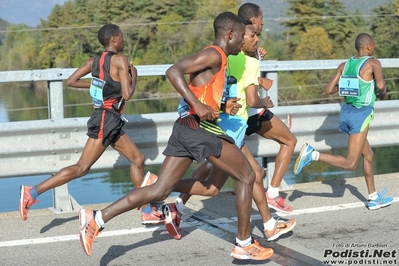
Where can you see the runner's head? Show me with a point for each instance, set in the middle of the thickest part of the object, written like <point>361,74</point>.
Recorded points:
<point>251,40</point>
<point>365,43</point>
<point>108,32</point>
<point>231,29</point>
<point>250,11</point>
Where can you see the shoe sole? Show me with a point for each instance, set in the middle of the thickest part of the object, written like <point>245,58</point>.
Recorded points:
<point>21,203</point>
<point>246,256</point>
<point>157,222</point>
<point>277,209</point>
<point>282,232</point>
<point>82,226</point>
<point>379,206</point>
<point>147,176</point>
<point>170,225</point>
<point>298,160</point>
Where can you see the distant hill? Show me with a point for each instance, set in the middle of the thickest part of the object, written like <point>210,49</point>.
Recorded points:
<point>275,10</point>
<point>29,12</point>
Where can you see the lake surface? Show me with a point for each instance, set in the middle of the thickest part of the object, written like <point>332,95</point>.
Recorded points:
<point>20,102</point>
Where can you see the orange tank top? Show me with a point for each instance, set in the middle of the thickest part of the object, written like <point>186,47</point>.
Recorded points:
<point>211,93</point>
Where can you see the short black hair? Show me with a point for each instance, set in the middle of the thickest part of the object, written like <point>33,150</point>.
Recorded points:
<point>106,32</point>
<point>248,11</point>
<point>362,40</point>
<point>227,21</point>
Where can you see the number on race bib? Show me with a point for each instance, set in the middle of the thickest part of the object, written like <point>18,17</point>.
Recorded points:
<point>96,92</point>
<point>349,86</point>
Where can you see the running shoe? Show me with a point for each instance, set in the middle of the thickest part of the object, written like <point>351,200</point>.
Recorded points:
<point>381,201</point>
<point>252,252</point>
<point>149,179</point>
<point>25,201</point>
<point>279,229</point>
<point>172,220</point>
<point>304,158</point>
<point>88,229</point>
<point>151,215</point>
<point>278,203</point>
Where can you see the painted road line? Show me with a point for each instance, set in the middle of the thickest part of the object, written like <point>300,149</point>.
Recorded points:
<point>139,230</point>
<point>52,239</point>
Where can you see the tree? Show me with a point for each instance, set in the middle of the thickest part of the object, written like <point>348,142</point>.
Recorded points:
<point>329,14</point>
<point>65,39</point>
<point>20,49</point>
<point>385,32</point>
<point>314,44</point>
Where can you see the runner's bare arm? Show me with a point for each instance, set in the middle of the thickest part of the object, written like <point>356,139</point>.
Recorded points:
<point>378,76</point>
<point>332,86</point>
<point>75,80</point>
<point>121,64</point>
<point>204,64</point>
<point>253,99</point>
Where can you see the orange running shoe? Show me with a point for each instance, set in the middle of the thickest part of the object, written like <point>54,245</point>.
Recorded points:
<point>149,179</point>
<point>88,229</point>
<point>25,201</point>
<point>252,252</point>
<point>279,229</point>
<point>172,220</point>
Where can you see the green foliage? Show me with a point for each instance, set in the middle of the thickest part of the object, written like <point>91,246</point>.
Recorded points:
<point>329,14</point>
<point>385,31</point>
<point>314,44</point>
<point>19,50</point>
<point>164,31</point>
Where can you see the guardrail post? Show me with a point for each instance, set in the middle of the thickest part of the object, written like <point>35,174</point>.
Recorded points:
<point>62,200</point>
<point>55,99</point>
<point>269,163</point>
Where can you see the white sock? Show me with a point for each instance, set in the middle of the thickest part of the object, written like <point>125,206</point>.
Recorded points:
<point>373,196</point>
<point>273,192</point>
<point>269,225</point>
<point>245,242</point>
<point>315,155</point>
<point>99,219</point>
<point>179,204</point>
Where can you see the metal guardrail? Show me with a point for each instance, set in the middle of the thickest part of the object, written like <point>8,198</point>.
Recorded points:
<point>49,145</point>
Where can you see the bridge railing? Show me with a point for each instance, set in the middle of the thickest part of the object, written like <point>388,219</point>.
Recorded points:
<point>46,146</point>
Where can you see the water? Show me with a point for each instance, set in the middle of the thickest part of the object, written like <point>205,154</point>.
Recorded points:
<point>19,103</point>
<point>100,187</point>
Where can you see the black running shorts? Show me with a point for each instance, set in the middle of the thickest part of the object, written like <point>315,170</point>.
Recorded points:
<point>196,140</point>
<point>106,125</point>
<point>255,122</point>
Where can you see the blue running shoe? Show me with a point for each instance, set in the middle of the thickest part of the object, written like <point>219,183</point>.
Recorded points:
<point>381,201</point>
<point>304,158</point>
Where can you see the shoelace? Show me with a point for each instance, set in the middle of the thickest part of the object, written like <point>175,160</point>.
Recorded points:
<point>383,192</point>
<point>280,224</point>
<point>91,231</point>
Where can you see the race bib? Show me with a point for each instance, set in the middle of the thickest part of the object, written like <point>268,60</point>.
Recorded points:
<point>348,86</point>
<point>96,92</point>
<point>230,89</point>
<point>183,108</point>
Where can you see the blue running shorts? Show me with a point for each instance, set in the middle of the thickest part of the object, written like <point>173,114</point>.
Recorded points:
<point>234,126</point>
<point>353,120</point>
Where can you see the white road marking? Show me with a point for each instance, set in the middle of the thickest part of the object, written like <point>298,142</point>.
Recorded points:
<point>74,237</point>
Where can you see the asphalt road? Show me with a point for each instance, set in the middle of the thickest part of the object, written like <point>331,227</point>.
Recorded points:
<point>334,228</point>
